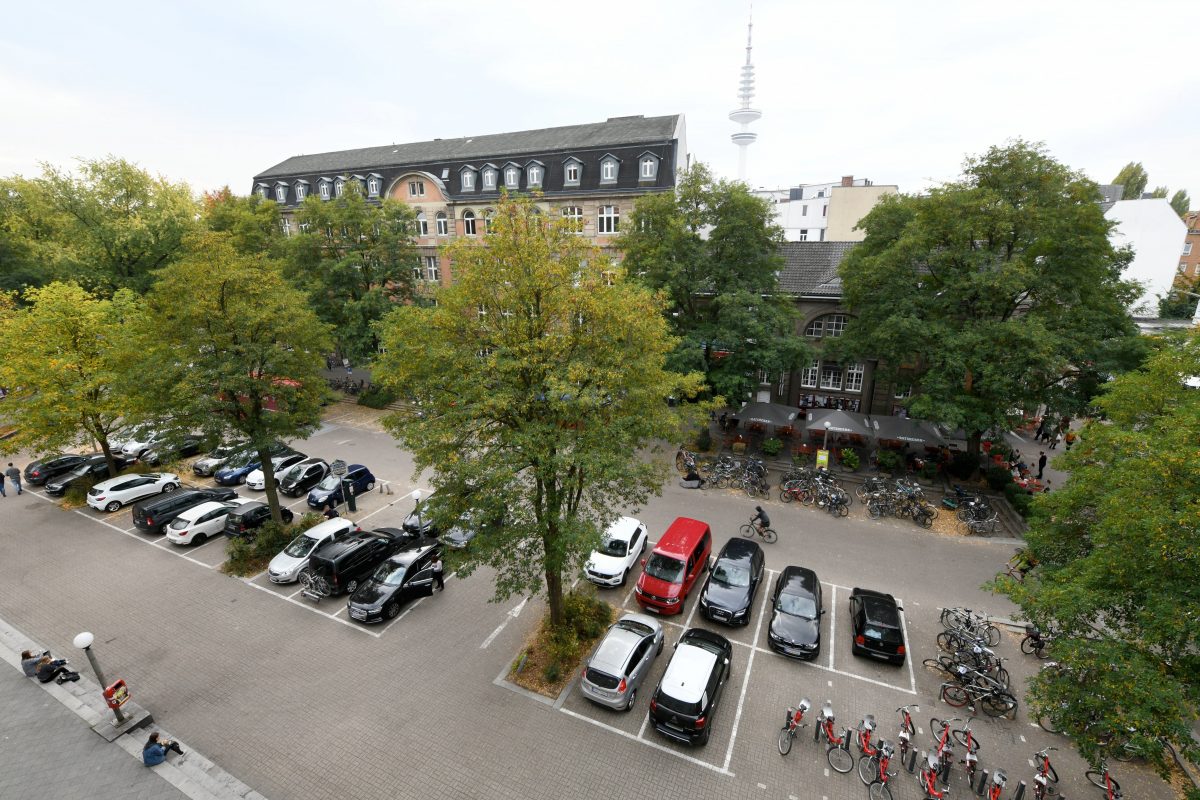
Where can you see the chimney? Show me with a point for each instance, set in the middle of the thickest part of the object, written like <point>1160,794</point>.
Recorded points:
<point>847,180</point>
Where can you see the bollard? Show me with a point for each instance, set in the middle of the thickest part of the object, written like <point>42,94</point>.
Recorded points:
<point>983,779</point>
<point>1020,791</point>
<point>911,766</point>
<point>944,774</point>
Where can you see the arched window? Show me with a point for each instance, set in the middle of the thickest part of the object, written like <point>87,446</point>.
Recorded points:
<point>422,224</point>
<point>830,325</point>
<point>468,218</point>
<point>443,226</point>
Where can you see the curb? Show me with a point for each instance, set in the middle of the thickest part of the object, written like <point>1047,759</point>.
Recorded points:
<point>193,775</point>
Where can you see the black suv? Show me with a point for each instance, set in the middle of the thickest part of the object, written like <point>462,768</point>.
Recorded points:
<point>42,470</point>
<point>340,566</point>
<point>94,469</point>
<point>155,514</point>
<point>683,705</point>
<point>246,519</point>
<point>405,575</point>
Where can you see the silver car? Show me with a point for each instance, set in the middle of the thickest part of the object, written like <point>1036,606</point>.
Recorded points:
<point>616,668</point>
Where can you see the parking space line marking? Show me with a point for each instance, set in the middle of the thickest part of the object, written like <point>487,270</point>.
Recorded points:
<point>513,614</point>
<point>737,718</point>
<point>293,594</point>
<point>309,608</point>
<point>912,680</point>
<point>254,577</point>
<point>647,742</point>
<point>833,623</point>
<point>389,505</point>
<point>407,611</point>
<point>135,537</point>
<point>645,722</point>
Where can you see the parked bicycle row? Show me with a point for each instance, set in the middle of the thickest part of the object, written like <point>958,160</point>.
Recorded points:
<point>973,510</point>
<point>899,497</point>
<point>973,674</point>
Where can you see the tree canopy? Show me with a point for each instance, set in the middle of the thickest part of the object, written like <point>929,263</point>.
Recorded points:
<point>996,292</point>
<point>713,248</point>
<point>354,258</point>
<point>252,222</point>
<point>538,376</point>
<point>1133,177</point>
<point>1181,202</point>
<point>1118,565</point>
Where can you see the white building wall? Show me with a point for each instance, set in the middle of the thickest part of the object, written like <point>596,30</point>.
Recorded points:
<point>1156,234</point>
<point>809,213</point>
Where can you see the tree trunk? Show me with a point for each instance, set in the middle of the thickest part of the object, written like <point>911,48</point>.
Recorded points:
<point>973,449</point>
<point>268,471</point>
<point>554,597</point>
<point>108,456</point>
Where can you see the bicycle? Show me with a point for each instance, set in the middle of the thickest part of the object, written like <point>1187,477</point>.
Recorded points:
<point>877,767</point>
<point>837,751</point>
<point>792,723</point>
<point>907,729</point>
<point>996,786</point>
<point>1035,642</point>
<point>750,529</point>
<point>684,460</point>
<point>987,525</point>
<point>1045,774</point>
<point>988,694</point>
<point>1101,778</point>
<point>927,778</point>
<point>974,625</point>
<point>966,737</point>
<point>867,751</point>
<point>943,744</point>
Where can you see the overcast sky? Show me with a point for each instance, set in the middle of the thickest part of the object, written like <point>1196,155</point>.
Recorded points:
<point>895,92</point>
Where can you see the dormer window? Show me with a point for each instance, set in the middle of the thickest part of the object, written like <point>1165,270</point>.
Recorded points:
<point>301,190</point>
<point>261,190</point>
<point>323,187</point>
<point>468,179</point>
<point>647,167</point>
<point>609,166</point>
<point>489,179</point>
<point>338,187</point>
<point>512,177</point>
<point>281,192</point>
<point>533,174</point>
<point>374,184</point>
<point>572,170</point>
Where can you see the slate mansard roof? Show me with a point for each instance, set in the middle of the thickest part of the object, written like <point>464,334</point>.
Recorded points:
<point>811,268</point>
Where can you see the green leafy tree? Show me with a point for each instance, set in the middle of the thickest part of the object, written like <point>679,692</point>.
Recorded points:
<point>230,347</point>
<point>1181,202</point>
<point>65,354</point>
<point>25,230</point>
<point>355,258</point>
<point>1177,304</point>
<point>1117,572</point>
<point>251,221</point>
<point>540,377</point>
<point>1159,191</point>
<point>1134,178</point>
<point>713,248</point>
<point>996,292</point>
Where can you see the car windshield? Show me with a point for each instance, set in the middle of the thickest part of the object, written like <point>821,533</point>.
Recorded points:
<point>226,450</point>
<point>294,469</point>
<point>664,568</point>
<point>727,573</point>
<point>329,483</point>
<point>635,626</point>
<point>179,523</point>
<point>389,574</point>
<point>79,472</point>
<point>300,546</point>
<point>797,606</point>
<point>615,547</point>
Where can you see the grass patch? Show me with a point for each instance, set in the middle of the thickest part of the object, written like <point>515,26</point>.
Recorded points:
<point>76,494</point>
<point>552,656</point>
<point>250,556</point>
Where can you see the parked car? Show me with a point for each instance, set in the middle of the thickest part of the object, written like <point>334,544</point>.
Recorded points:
<point>155,514</point>
<point>196,525</point>
<point>875,622</point>
<point>256,479</point>
<point>623,544</point>
<point>795,629</point>
<point>340,566</point>
<point>619,664</point>
<point>95,468</point>
<point>674,564</point>
<point>246,519</point>
<point>145,438</point>
<point>422,520</point>
<point>216,458</point>
<point>113,493</point>
<point>330,488</point>
<point>303,476</point>
<point>460,535</point>
<point>130,437</point>
<point>172,450</point>
<point>685,702</point>
<point>403,576</point>
<point>728,594</point>
<point>293,559</point>
<point>38,472</point>
<point>239,466</point>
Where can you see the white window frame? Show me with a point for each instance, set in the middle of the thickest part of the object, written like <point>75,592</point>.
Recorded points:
<point>323,188</point>
<point>469,224</point>
<point>810,375</point>
<point>608,220</point>
<point>432,271</point>
<point>468,180</point>
<point>442,224</point>
<point>571,173</point>
<point>512,177</point>
<point>373,187</point>
<point>301,191</point>
<point>815,329</point>
<point>416,188</point>
<point>854,377</point>
<point>902,394</point>
<point>832,377</point>
<point>339,186</point>
<point>422,224</point>
<point>1187,248</point>
<point>281,195</point>
<point>803,235</point>
<point>649,168</point>
<point>417,276</point>
<point>781,387</point>
<point>574,216</point>
<point>489,179</point>
<point>488,216</point>
<point>533,176</point>
<point>608,170</point>
<point>835,325</point>
<point>286,224</point>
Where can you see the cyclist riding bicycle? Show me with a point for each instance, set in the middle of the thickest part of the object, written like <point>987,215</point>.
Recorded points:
<point>760,520</point>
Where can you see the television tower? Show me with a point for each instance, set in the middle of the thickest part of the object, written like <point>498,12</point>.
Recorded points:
<point>744,115</point>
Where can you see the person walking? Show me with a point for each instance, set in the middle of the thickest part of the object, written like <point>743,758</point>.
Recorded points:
<point>14,475</point>
<point>1070,438</point>
<point>438,569</point>
<point>1042,459</point>
<point>1041,429</point>
<point>1054,442</point>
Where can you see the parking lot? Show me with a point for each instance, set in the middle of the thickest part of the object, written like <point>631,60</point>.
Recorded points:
<point>298,701</point>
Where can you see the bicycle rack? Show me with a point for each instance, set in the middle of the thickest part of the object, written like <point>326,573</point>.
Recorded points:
<point>983,779</point>
<point>1020,791</point>
<point>911,766</point>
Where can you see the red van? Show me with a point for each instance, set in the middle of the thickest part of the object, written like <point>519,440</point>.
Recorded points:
<point>673,566</point>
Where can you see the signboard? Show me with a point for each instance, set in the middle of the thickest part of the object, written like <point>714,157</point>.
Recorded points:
<point>823,459</point>
<point>116,695</point>
<point>338,467</point>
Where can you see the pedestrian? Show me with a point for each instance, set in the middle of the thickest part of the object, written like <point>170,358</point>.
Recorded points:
<point>1042,459</point>
<point>346,364</point>
<point>154,752</point>
<point>328,362</point>
<point>54,669</point>
<point>29,663</point>
<point>724,422</point>
<point>330,511</point>
<point>1041,428</point>
<point>14,474</point>
<point>438,568</point>
<point>1054,442</point>
<point>1071,437</point>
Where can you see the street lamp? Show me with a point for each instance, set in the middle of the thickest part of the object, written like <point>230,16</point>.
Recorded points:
<point>828,425</point>
<point>84,642</point>
<point>417,511</point>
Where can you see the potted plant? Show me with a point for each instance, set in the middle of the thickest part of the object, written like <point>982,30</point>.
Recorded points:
<point>850,460</point>
<point>771,447</point>
<point>889,461</point>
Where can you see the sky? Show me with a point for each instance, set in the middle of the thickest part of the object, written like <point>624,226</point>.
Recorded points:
<point>899,93</point>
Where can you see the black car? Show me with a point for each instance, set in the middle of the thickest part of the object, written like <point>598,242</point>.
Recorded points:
<point>732,583</point>
<point>875,619</point>
<point>405,575</point>
<point>304,476</point>
<point>91,471</point>
<point>171,451</point>
<point>685,702</point>
<point>340,566</point>
<point>155,514</point>
<point>796,616</point>
<point>246,519</point>
<point>42,470</point>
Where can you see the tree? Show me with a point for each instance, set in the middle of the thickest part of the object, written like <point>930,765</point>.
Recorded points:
<point>714,249</point>
<point>997,292</point>
<point>1159,192</point>
<point>354,258</point>
<point>1134,178</point>
<point>66,354</point>
<point>540,376</point>
<point>1181,202</point>
<point>1177,304</point>
<point>24,230</point>
<point>1117,574</point>
<point>230,347</point>
<point>252,222</point>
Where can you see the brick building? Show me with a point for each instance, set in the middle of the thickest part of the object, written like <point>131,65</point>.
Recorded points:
<point>1189,261</point>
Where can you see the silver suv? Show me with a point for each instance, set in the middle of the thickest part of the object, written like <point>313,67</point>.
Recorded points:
<point>621,661</point>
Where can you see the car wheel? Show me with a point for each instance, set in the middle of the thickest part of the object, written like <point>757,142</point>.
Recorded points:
<point>370,486</point>
<point>660,646</point>
<point>625,576</point>
<point>351,586</point>
<point>286,514</point>
<point>199,539</point>
<point>113,506</point>
<point>305,578</point>
<point>170,487</point>
<point>632,697</point>
<point>391,610</point>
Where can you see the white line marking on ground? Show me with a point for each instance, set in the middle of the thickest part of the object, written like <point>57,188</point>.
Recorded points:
<point>762,786</point>
<point>827,772</point>
<point>345,441</point>
<point>513,614</point>
<point>647,743</point>
<point>833,623</point>
<point>645,722</point>
<point>407,611</point>
<point>912,680</point>
<point>737,718</point>
<point>309,607</point>
<point>293,594</point>
<point>1022,736</point>
<point>361,520</point>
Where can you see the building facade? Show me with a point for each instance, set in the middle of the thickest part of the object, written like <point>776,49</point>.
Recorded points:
<point>820,212</point>
<point>1189,260</point>
<point>591,174</point>
<point>1157,236</point>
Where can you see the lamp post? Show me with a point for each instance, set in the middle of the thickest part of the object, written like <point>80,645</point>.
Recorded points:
<point>84,642</point>
<point>417,511</point>
<point>825,445</point>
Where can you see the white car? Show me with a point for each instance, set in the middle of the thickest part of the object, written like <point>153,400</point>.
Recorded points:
<point>287,566</point>
<point>624,542</point>
<point>256,479</point>
<point>140,440</point>
<point>113,493</point>
<point>197,524</point>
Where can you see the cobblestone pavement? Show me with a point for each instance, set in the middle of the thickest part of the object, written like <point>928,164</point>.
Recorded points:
<point>299,702</point>
<point>47,751</point>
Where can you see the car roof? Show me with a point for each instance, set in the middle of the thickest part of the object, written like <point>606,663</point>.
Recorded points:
<point>131,476</point>
<point>248,505</point>
<point>739,549</point>
<point>203,508</point>
<point>879,608</point>
<point>687,675</point>
<point>674,541</point>
<point>410,554</point>
<point>328,528</point>
<point>623,529</point>
<point>797,580</point>
<point>614,649</point>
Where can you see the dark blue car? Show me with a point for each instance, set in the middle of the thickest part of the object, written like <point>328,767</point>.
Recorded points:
<point>360,480</point>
